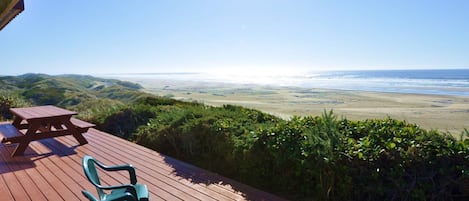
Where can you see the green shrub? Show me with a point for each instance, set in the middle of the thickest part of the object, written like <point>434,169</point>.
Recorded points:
<point>8,101</point>
<point>312,158</point>
<point>391,159</point>
<point>303,155</point>
<point>155,101</point>
<point>124,121</point>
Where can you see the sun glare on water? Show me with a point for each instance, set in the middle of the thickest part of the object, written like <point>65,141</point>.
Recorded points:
<point>255,75</point>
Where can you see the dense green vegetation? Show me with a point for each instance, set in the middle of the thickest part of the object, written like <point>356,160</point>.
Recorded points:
<point>304,158</point>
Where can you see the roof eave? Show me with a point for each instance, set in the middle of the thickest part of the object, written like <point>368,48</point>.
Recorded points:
<point>11,11</point>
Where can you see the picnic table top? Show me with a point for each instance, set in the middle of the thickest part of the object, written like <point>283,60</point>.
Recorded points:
<point>51,169</point>
<point>38,112</point>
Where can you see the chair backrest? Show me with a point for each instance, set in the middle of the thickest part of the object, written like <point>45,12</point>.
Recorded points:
<point>89,166</point>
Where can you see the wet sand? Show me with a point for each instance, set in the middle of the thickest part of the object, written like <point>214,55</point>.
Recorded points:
<point>445,113</point>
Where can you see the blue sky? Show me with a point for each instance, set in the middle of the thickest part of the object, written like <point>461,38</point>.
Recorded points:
<point>249,36</point>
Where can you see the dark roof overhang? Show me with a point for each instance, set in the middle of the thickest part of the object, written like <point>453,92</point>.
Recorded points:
<point>9,9</point>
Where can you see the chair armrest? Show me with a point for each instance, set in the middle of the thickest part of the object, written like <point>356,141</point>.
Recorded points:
<point>130,168</point>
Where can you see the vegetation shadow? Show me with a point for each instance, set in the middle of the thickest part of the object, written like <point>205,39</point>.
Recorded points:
<point>200,176</point>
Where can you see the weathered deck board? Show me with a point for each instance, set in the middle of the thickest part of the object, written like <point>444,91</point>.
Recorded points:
<point>51,170</point>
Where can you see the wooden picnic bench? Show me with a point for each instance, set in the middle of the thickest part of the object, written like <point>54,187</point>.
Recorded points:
<point>81,125</point>
<point>9,132</point>
<point>42,122</point>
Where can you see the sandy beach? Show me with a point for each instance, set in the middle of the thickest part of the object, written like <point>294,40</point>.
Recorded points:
<point>445,113</point>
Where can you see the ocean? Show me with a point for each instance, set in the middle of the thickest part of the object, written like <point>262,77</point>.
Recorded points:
<point>454,82</point>
<point>439,82</point>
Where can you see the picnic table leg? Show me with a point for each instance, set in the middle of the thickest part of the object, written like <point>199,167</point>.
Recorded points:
<point>23,144</point>
<point>75,132</point>
<point>17,122</point>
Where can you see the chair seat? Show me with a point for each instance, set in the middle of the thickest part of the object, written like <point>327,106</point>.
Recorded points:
<point>121,194</point>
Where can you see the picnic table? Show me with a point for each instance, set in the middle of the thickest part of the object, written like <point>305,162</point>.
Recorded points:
<point>42,122</point>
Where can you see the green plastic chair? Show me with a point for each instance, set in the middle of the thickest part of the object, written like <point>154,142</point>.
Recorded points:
<point>132,191</point>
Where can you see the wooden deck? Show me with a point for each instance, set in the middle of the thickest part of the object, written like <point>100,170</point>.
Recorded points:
<point>51,170</point>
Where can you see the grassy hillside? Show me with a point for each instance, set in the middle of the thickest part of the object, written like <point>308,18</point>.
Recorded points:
<point>91,97</point>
